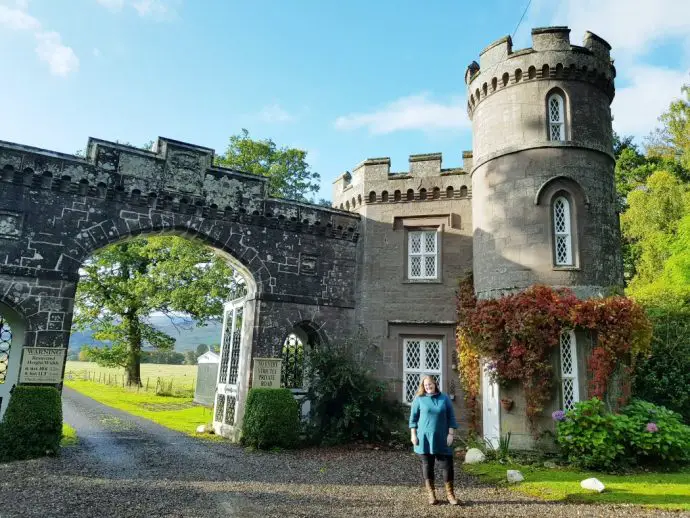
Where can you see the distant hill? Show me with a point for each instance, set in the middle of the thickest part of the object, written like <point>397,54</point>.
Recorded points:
<point>185,340</point>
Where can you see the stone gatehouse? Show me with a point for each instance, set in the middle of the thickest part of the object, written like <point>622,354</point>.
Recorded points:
<point>534,202</point>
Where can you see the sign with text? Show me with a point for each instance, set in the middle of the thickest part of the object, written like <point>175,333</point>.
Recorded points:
<point>266,372</point>
<point>42,365</point>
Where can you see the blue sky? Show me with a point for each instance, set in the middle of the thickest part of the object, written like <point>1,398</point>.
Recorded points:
<point>343,80</point>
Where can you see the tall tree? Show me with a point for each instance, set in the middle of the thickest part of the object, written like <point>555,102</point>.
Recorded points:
<point>672,140</point>
<point>289,174</point>
<point>657,227</point>
<point>124,283</point>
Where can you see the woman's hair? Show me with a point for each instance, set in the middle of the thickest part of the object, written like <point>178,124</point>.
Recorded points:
<point>421,391</point>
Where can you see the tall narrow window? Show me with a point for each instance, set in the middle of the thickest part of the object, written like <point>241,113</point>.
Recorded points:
<point>563,238</point>
<point>556,117</point>
<point>569,384</point>
<point>421,357</point>
<point>292,373</point>
<point>422,249</point>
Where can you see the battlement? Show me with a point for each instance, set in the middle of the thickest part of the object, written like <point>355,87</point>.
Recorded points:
<point>175,177</point>
<point>551,56</point>
<point>372,181</point>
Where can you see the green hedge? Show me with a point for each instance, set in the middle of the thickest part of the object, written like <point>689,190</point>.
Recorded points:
<point>32,426</point>
<point>271,419</point>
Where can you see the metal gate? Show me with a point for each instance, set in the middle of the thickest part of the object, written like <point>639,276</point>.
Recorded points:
<point>9,364</point>
<point>226,402</point>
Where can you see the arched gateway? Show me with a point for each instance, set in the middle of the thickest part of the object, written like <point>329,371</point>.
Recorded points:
<point>57,209</point>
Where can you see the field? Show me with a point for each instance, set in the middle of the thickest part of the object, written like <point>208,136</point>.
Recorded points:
<point>169,379</point>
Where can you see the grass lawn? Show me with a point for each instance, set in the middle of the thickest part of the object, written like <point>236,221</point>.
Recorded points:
<point>661,490</point>
<point>172,412</point>
<point>69,436</point>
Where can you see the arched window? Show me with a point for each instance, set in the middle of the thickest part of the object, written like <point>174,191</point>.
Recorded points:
<point>570,391</point>
<point>292,374</point>
<point>556,114</point>
<point>563,237</point>
<point>372,197</point>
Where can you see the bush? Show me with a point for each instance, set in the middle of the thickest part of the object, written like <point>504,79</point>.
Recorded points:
<point>348,403</point>
<point>664,376</point>
<point>644,433</point>
<point>656,435</point>
<point>592,437</point>
<point>32,426</point>
<point>271,419</point>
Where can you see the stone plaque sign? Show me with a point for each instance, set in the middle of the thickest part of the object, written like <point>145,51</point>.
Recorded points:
<point>42,365</point>
<point>266,372</point>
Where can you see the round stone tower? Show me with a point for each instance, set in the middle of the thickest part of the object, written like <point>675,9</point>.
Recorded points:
<point>544,203</point>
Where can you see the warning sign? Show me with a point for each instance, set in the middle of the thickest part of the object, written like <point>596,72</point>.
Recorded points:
<point>42,365</point>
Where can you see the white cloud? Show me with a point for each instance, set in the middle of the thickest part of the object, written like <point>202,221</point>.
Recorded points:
<point>416,112</point>
<point>637,107</point>
<point>61,58</point>
<point>156,9</point>
<point>629,26</point>
<point>273,113</point>
<point>49,47</point>
<point>152,8</point>
<point>17,19</point>
<point>113,5</point>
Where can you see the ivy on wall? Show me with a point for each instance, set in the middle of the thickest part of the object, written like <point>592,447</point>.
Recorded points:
<point>520,332</point>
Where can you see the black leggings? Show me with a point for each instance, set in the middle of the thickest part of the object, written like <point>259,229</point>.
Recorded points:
<point>446,462</point>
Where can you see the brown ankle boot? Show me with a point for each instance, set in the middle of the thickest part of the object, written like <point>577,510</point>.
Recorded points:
<point>429,485</point>
<point>450,494</point>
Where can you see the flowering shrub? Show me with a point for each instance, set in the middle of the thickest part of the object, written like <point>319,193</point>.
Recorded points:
<point>520,333</point>
<point>592,437</point>
<point>558,415</point>
<point>656,434</point>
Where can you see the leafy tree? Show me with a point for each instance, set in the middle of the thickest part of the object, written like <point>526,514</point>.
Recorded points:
<point>672,140</point>
<point>162,357</point>
<point>190,357</point>
<point>288,172</point>
<point>657,227</point>
<point>123,284</point>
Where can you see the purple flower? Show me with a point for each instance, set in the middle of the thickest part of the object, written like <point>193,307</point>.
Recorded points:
<point>652,428</point>
<point>558,415</point>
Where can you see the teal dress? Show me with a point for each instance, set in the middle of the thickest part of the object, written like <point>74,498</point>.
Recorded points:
<point>432,415</point>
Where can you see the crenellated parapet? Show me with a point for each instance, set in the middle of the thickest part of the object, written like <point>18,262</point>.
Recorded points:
<point>372,181</point>
<point>174,177</point>
<point>551,57</point>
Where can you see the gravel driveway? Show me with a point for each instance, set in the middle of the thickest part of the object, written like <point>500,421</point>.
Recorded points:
<point>125,466</point>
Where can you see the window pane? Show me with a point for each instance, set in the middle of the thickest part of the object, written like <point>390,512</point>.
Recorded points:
<point>411,385</point>
<point>412,357</point>
<point>568,394</point>
<point>430,242</point>
<point>415,267</point>
<point>415,242</point>
<point>430,266</point>
<point>559,216</point>
<point>566,355</point>
<point>554,109</point>
<point>433,355</point>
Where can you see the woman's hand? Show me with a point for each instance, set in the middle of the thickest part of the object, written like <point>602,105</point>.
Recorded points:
<point>449,440</point>
<point>413,437</point>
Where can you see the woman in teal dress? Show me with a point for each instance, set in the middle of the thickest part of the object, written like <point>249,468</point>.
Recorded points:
<point>432,425</point>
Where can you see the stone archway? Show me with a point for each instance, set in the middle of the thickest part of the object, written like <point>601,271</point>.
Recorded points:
<point>57,209</point>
